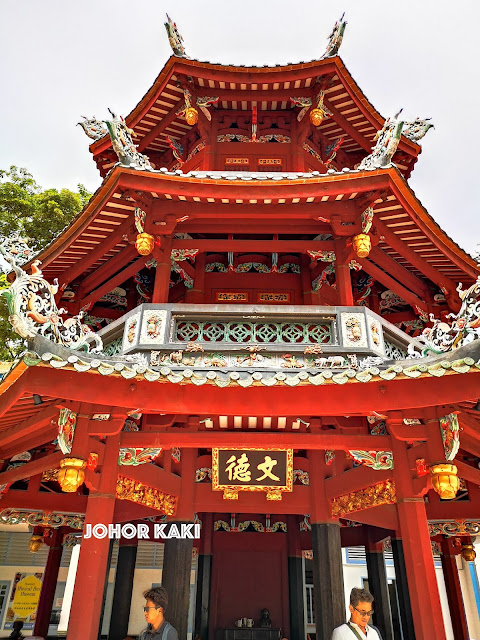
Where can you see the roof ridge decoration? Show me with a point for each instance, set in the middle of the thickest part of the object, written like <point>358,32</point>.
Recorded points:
<point>464,329</point>
<point>335,38</point>
<point>174,38</point>
<point>32,306</point>
<point>388,139</point>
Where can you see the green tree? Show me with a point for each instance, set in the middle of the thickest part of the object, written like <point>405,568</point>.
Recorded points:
<point>37,214</point>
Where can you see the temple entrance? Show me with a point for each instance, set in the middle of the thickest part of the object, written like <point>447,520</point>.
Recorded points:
<point>249,573</point>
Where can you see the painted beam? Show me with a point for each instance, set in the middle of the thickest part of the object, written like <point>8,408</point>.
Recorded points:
<point>209,399</point>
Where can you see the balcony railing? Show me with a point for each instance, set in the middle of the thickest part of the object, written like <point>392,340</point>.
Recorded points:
<point>236,337</point>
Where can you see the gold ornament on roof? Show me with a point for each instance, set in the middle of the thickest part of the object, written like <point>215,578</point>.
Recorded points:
<point>71,474</point>
<point>191,116</point>
<point>144,244</point>
<point>362,245</point>
<point>445,480</point>
<point>468,552</point>
<point>35,543</point>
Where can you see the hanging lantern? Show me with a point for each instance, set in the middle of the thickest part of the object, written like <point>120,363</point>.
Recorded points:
<point>316,117</point>
<point>191,116</point>
<point>35,543</point>
<point>468,552</point>
<point>445,480</point>
<point>362,245</point>
<point>144,244</point>
<point>71,474</point>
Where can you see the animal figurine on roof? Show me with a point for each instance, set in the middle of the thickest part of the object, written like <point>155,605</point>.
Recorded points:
<point>335,38</point>
<point>174,38</point>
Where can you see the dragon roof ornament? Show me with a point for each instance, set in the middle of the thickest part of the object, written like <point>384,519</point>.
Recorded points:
<point>335,38</point>
<point>416,130</point>
<point>387,140</point>
<point>464,329</point>
<point>95,129</point>
<point>32,307</point>
<point>174,38</point>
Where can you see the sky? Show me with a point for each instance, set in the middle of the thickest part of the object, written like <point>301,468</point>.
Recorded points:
<point>62,60</point>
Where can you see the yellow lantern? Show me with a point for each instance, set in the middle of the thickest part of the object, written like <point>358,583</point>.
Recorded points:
<point>362,245</point>
<point>144,244</point>
<point>316,117</point>
<point>468,552</point>
<point>445,480</point>
<point>35,543</point>
<point>71,474</point>
<point>191,116</point>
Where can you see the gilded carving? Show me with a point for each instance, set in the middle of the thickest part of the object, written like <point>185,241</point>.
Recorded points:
<point>129,489</point>
<point>374,496</point>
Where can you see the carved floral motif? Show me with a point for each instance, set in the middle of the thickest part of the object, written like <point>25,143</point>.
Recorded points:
<point>129,489</point>
<point>450,430</point>
<point>133,456</point>
<point>377,460</point>
<point>377,494</point>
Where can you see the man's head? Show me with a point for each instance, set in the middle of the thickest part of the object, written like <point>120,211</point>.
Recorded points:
<point>361,607</point>
<point>156,603</point>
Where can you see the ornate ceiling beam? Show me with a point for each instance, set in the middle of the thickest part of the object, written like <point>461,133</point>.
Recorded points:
<point>201,439</point>
<point>33,468</point>
<point>29,426</point>
<point>95,254</point>
<point>408,393</point>
<point>106,270</point>
<point>416,260</point>
<point>392,284</point>
<point>161,126</point>
<point>255,246</point>
<point>391,266</point>
<point>115,281</point>
<point>360,478</point>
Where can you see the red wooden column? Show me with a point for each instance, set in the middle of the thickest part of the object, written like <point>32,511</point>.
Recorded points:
<point>50,578</point>
<point>177,555</point>
<point>87,599</point>
<point>162,272</point>
<point>420,568</point>
<point>306,280</point>
<point>454,591</point>
<point>327,553</point>
<point>197,293</point>
<point>342,272</point>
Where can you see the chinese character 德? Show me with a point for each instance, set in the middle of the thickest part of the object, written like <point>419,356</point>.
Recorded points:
<point>238,469</point>
<point>267,467</point>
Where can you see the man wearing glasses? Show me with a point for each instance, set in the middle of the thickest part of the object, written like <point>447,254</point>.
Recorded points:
<point>158,628</point>
<point>361,611</point>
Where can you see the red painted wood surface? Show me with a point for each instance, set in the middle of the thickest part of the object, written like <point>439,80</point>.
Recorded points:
<point>249,573</point>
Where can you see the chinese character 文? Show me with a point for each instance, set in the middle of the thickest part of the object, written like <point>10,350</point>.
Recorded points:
<point>238,469</point>
<point>267,467</point>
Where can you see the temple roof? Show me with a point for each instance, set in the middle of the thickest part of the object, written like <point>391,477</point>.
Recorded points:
<point>270,88</point>
<point>408,234</point>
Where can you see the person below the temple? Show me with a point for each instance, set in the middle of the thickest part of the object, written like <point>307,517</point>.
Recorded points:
<point>361,610</point>
<point>158,628</point>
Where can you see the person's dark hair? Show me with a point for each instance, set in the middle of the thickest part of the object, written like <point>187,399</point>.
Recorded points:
<point>360,595</point>
<point>158,595</point>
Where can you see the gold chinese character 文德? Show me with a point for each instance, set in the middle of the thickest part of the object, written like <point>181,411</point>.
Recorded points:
<point>238,469</point>
<point>267,467</point>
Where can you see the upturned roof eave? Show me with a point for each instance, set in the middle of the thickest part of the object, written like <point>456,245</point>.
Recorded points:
<point>114,179</point>
<point>361,100</point>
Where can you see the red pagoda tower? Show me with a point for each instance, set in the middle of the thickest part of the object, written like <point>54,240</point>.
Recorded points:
<point>274,346</point>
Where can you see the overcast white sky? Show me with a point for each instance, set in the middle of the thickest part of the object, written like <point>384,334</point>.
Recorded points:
<point>63,59</point>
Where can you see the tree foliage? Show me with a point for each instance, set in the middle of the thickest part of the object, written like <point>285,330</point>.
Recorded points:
<point>37,214</point>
